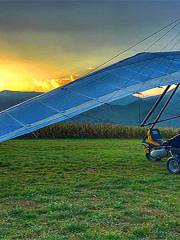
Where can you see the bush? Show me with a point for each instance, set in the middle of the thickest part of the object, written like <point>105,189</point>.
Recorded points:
<point>86,130</point>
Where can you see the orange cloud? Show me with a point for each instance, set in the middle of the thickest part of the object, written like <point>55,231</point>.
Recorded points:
<point>44,85</point>
<point>20,75</point>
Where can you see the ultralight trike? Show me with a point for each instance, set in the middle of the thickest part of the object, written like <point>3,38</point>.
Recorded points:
<point>157,148</point>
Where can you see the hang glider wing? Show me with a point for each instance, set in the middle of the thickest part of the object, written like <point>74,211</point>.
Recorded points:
<point>135,74</point>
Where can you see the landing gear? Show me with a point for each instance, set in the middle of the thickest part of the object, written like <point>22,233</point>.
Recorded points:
<point>173,165</point>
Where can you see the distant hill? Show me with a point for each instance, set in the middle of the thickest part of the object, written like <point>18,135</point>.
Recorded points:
<point>11,98</point>
<point>131,111</point>
<point>127,111</point>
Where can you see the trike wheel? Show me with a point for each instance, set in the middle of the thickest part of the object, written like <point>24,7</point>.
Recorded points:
<point>173,165</point>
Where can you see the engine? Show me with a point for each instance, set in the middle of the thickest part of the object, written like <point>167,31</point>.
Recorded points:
<point>159,153</point>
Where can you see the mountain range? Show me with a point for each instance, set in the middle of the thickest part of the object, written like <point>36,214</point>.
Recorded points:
<point>127,111</point>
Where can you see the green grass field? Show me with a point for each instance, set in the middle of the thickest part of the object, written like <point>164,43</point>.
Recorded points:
<point>85,189</point>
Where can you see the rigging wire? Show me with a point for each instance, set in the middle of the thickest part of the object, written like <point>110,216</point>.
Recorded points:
<point>147,64</point>
<point>156,41</point>
<point>176,22</point>
<point>134,45</point>
<point>171,41</point>
<point>175,44</point>
<point>163,35</point>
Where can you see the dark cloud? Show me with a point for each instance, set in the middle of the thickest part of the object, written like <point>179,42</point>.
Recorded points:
<point>83,16</point>
<point>79,29</point>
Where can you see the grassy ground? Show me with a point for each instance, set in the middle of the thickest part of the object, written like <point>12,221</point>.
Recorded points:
<point>85,189</point>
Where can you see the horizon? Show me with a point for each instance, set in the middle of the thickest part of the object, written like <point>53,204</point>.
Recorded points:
<point>145,94</point>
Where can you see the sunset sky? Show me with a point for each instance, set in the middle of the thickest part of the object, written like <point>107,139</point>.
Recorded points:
<point>46,43</point>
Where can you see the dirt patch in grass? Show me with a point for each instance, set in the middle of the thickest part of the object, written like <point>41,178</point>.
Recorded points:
<point>91,170</point>
<point>28,204</point>
<point>151,212</point>
<point>125,229</point>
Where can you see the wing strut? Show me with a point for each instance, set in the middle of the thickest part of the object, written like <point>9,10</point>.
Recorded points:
<point>154,106</point>
<point>157,119</point>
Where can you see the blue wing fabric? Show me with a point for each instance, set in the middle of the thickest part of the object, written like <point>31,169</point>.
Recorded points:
<point>135,74</point>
